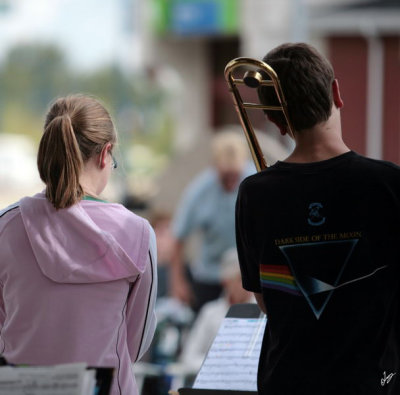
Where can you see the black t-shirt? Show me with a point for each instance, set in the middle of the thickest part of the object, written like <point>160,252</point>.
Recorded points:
<point>321,242</point>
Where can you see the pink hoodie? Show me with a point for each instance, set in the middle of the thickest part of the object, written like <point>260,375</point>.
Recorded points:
<point>76,285</point>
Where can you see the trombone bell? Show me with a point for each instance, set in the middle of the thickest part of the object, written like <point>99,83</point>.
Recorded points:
<point>253,78</point>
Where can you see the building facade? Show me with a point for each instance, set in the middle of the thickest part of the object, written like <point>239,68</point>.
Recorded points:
<point>363,43</point>
<point>197,38</point>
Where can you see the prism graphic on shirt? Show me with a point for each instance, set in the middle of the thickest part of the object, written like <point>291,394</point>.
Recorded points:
<point>317,269</point>
<point>314,269</point>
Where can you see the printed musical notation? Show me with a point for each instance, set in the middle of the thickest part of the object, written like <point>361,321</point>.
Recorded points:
<point>70,379</point>
<point>232,361</point>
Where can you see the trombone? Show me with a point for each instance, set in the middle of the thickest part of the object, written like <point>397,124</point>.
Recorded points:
<point>253,78</point>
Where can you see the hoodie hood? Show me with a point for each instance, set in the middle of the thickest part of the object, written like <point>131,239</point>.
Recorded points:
<point>70,247</point>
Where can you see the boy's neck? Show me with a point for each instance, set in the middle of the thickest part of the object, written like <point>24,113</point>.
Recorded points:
<point>317,154</point>
<point>322,142</point>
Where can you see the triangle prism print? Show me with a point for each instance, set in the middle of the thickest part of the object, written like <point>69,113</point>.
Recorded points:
<point>317,269</point>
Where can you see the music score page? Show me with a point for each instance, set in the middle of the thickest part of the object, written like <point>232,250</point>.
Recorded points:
<point>232,361</point>
<point>68,379</point>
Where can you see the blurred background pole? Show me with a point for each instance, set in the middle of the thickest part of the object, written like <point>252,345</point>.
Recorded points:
<point>375,78</point>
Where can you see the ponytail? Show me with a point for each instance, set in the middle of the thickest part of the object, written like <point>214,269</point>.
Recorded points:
<point>60,162</point>
<point>77,127</point>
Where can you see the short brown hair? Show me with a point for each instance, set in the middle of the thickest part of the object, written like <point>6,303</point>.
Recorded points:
<point>306,78</point>
<point>76,128</point>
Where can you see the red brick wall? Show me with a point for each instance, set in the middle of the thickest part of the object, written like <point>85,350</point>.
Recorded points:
<point>391,107</point>
<point>348,56</point>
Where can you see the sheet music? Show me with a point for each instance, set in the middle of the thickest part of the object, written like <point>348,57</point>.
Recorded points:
<point>70,379</point>
<point>232,362</point>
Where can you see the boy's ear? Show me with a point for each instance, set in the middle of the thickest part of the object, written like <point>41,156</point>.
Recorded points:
<point>282,128</point>
<point>337,100</point>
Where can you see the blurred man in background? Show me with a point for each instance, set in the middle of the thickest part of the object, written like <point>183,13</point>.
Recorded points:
<point>208,206</point>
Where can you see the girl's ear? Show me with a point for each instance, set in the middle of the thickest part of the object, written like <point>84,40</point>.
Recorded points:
<point>103,155</point>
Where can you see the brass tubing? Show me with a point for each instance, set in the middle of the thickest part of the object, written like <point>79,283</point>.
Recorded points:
<point>240,81</point>
<point>254,81</point>
<point>252,141</point>
<point>256,106</point>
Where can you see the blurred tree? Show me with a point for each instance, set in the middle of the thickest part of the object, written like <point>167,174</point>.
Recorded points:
<point>33,75</point>
<point>108,83</point>
<point>19,119</point>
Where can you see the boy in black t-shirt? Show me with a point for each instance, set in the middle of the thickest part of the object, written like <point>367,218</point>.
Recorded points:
<point>319,243</point>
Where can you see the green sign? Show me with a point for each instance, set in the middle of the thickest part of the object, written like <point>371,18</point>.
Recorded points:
<point>196,17</point>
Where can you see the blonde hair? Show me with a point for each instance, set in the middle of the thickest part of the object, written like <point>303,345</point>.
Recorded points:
<point>76,128</point>
<point>229,150</point>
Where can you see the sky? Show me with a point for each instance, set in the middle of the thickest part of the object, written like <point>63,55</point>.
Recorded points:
<point>91,32</point>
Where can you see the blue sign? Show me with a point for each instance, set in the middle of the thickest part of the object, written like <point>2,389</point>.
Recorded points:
<point>196,17</point>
